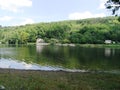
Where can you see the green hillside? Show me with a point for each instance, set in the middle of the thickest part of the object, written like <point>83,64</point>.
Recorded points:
<point>92,31</point>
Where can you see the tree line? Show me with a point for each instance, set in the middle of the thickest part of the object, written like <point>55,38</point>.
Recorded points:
<point>92,31</point>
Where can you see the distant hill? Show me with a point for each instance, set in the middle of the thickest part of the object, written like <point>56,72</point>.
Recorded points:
<point>93,31</point>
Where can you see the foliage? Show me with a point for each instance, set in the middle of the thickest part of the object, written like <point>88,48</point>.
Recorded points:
<point>94,30</point>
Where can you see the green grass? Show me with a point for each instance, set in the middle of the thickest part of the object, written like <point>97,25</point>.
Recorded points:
<point>43,80</point>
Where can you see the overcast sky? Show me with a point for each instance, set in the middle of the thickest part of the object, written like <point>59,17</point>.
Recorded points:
<point>21,12</point>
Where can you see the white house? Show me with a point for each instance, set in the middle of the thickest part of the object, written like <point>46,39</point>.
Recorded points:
<point>39,40</point>
<point>108,41</point>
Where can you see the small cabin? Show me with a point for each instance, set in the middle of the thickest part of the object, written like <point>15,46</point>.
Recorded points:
<point>39,40</point>
<point>108,41</point>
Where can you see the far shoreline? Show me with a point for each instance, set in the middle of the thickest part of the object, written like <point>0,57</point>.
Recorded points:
<point>68,44</point>
<point>81,45</point>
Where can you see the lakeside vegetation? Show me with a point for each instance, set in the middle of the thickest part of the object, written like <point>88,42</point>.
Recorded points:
<point>86,31</point>
<point>42,80</point>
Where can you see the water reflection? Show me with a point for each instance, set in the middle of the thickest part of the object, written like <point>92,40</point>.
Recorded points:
<point>14,64</point>
<point>39,48</point>
<point>9,63</point>
<point>59,57</point>
<point>109,52</point>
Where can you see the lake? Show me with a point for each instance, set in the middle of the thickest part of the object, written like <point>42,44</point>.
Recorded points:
<point>66,58</point>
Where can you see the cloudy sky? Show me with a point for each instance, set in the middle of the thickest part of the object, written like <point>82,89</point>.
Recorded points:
<point>21,12</point>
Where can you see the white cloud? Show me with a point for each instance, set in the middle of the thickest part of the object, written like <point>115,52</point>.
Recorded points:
<point>26,21</point>
<point>6,18</point>
<point>14,5</point>
<point>102,4</point>
<point>87,14</point>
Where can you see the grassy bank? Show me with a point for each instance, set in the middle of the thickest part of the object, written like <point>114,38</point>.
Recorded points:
<point>100,45</point>
<point>46,80</point>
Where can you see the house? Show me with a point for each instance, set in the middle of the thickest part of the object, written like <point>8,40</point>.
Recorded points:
<point>108,41</point>
<point>39,40</point>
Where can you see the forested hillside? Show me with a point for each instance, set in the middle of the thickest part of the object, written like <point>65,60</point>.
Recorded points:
<point>93,31</point>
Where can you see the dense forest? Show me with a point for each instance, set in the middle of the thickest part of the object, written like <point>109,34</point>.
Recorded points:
<point>92,31</point>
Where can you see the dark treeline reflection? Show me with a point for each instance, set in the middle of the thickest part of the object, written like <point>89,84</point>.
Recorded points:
<point>65,56</point>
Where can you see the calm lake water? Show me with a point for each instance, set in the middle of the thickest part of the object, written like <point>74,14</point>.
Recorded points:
<point>65,58</point>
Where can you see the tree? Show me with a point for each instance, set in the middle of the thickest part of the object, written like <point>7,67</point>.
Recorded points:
<point>113,5</point>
